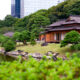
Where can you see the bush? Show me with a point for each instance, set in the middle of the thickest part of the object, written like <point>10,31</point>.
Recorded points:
<point>9,45</point>
<point>72,37</point>
<point>33,42</point>
<point>3,39</point>
<point>75,47</point>
<point>32,39</point>
<point>41,70</point>
<point>75,55</point>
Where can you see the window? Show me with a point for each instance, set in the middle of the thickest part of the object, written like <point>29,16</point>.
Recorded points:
<point>58,36</point>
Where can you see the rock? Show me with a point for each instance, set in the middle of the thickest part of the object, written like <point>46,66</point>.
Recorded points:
<point>55,54</point>
<point>14,53</point>
<point>49,53</point>
<point>19,51</point>
<point>44,44</point>
<point>36,55</point>
<point>26,56</point>
<point>54,57</point>
<point>22,55</point>
<point>64,58</point>
<point>26,53</point>
<point>2,50</point>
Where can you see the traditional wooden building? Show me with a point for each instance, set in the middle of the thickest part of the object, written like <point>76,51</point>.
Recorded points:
<point>56,31</point>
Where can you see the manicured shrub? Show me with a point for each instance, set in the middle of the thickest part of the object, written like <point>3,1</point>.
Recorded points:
<point>72,37</point>
<point>3,39</point>
<point>33,42</point>
<point>9,45</point>
<point>75,47</point>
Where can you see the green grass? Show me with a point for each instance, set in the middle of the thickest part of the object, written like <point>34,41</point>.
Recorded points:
<point>39,49</point>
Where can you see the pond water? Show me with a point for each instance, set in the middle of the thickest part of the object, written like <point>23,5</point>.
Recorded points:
<point>5,58</point>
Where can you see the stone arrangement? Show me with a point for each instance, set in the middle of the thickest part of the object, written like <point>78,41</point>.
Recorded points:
<point>25,55</point>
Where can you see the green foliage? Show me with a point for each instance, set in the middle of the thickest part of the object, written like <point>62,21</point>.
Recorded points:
<point>2,23</point>
<point>19,29</point>
<point>21,24</point>
<point>23,36</point>
<point>38,21</point>
<point>52,18</point>
<point>3,39</point>
<point>75,47</point>
<point>9,20</point>
<point>75,55</point>
<point>9,45</point>
<point>32,39</point>
<point>32,42</point>
<point>41,12</point>
<point>72,37</point>
<point>64,10</point>
<point>41,70</point>
<point>72,7</point>
<point>4,30</point>
<point>16,36</point>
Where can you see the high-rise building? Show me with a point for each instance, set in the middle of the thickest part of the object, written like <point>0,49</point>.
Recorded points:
<point>21,8</point>
<point>15,8</point>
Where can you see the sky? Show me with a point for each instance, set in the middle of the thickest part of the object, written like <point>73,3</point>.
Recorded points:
<point>5,7</point>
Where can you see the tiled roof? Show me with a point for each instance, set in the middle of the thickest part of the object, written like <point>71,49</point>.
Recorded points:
<point>64,28</point>
<point>58,23</point>
<point>70,20</point>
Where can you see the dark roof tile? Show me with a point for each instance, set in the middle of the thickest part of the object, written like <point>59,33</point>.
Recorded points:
<point>72,19</point>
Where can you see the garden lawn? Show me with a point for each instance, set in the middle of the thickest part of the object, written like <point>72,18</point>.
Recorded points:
<point>39,49</point>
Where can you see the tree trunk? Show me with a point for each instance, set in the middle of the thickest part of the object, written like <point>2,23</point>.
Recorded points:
<point>24,42</point>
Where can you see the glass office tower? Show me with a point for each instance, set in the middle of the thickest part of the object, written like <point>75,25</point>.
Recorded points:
<point>21,8</point>
<point>15,8</point>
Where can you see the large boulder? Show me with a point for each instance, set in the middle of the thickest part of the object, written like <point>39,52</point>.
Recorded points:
<point>14,53</point>
<point>44,44</point>
<point>36,55</point>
